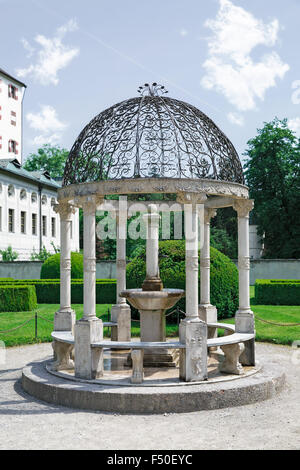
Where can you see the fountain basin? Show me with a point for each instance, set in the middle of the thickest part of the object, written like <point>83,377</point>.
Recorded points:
<point>152,306</point>
<point>152,300</point>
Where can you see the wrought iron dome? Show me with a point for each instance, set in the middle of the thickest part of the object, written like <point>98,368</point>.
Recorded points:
<point>152,136</point>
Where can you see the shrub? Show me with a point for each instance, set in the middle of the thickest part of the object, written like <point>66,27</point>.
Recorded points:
<point>48,290</point>
<point>9,254</point>
<point>51,267</point>
<point>223,275</point>
<point>15,298</point>
<point>277,291</point>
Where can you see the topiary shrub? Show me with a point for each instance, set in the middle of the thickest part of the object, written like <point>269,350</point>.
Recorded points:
<point>48,290</point>
<point>51,267</point>
<point>17,298</point>
<point>277,291</point>
<point>223,275</point>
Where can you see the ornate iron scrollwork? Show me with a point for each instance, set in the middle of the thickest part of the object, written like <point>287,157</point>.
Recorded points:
<point>152,136</point>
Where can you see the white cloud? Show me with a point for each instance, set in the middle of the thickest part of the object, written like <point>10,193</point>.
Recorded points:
<point>294,124</point>
<point>30,50</point>
<point>230,69</point>
<point>183,32</point>
<point>51,56</point>
<point>48,125</point>
<point>236,118</point>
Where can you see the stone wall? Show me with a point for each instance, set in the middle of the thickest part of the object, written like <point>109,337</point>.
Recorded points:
<point>32,269</point>
<point>274,269</point>
<point>259,269</point>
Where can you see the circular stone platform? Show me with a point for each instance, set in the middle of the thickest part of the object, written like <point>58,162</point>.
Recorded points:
<point>56,389</point>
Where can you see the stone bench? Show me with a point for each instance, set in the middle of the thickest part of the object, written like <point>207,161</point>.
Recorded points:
<point>232,345</point>
<point>137,353</point>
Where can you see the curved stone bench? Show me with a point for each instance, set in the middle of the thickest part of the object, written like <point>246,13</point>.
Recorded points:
<point>231,344</point>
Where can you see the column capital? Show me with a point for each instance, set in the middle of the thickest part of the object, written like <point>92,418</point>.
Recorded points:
<point>243,207</point>
<point>192,263</point>
<point>191,198</point>
<point>244,262</point>
<point>65,210</point>
<point>209,214</point>
<point>89,203</point>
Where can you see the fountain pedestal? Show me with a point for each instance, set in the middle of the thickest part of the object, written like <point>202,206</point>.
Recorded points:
<point>152,306</point>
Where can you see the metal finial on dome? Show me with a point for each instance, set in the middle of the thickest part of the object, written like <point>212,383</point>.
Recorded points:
<point>152,90</point>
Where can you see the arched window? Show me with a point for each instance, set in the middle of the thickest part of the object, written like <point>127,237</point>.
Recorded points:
<point>53,201</point>
<point>11,190</point>
<point>23,194</point>
<point>44,200</point>
<point>33,198</point>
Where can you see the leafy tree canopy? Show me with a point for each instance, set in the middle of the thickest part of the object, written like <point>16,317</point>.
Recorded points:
<point>273,176</point>
<point>48,158</point>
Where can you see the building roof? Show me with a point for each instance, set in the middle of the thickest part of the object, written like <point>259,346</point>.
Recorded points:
<point>11,77</point>
<point>12,165</point>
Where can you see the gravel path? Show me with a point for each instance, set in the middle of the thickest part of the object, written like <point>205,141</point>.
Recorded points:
<point>26,423</point>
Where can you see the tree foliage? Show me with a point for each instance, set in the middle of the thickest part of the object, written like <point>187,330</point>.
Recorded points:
<point>47,158</point>
<point>273,177</point>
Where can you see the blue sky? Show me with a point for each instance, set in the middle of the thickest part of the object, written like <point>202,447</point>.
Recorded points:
<point>237,61</point>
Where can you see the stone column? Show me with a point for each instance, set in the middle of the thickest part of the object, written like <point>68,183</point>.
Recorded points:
<point>88,360</point>
<point>152,281</point>
<point>244,318</point>
<point>207,312</point>
<point>64,319</point>
<point>120,312</point>
<point>192,330</point>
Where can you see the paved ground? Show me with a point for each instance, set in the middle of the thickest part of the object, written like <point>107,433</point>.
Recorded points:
<point>26,423</point>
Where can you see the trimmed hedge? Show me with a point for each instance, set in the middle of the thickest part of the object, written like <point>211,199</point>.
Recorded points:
<point>51,267</point>
<point>223,275</point>
<point>17,298</point>
<point>48,290</point>
<point>277,291</point>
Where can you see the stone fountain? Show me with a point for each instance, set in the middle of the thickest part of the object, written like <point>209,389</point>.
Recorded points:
<point>152,300</point>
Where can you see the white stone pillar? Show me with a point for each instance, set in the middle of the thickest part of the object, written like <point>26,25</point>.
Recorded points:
<point>64,319</point>
<point>192,330</point>
<point>191,260</point>
<point>207,312</point>
<point>88,360</point>
<point>152,281</point>
<point>120,312</point>
<point>244,319</point>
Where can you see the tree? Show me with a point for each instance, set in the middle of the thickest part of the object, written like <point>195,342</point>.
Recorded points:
<point>224,232</point>
<point>273,177</point>
<point>47,158</point>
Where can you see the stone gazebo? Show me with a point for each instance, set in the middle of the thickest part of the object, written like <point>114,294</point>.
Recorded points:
<point>145,145</point>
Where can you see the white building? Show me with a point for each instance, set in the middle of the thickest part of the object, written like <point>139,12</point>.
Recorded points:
<point>11,99</point>
<point>28,221</point>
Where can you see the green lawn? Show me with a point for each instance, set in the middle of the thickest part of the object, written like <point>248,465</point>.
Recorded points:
<point>264,332</point>
<point>26,334</point>
<point>278,314</point>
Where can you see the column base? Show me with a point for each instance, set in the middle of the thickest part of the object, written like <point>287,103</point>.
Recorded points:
<point>121,314</point>
<point>64,320</point>
<point>209,314</point>
<point>193,359</point>
<point>88,360</point>
<point>244,323</point>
